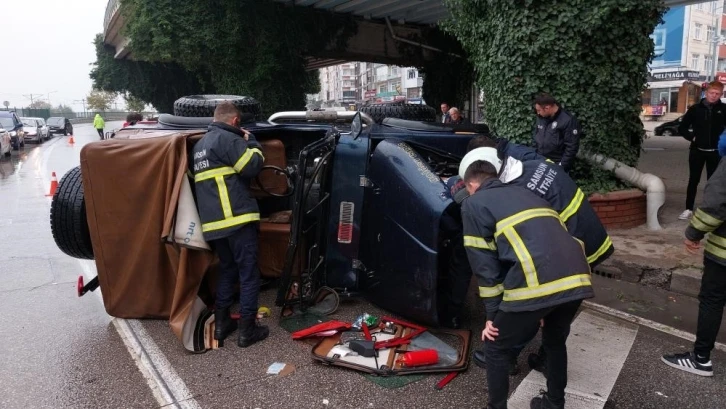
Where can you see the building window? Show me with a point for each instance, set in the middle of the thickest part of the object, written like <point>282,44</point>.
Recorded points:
<point>699,6</point>
<point>710,32</point>
<point>713,6</point>
<point>411,74</point>
<point>395,86</point>
<point>708,63</point>
<point>695,61</point>
<point>697,31</point>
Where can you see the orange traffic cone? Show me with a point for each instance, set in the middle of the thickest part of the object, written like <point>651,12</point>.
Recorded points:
<point>53,184</point>
<point>70,140</point>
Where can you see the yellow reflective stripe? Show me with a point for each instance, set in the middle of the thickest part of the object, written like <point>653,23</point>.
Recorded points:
<point>480,243</point>
<point>520,217</point>
<point>213,173</point>
<point>245,158</point>
<point>603,248</point>
<point>491,291</point>
<point>704,221</point>
<point>543,290</point>
<point>717,240</point>
<point>224,197</point>
<point>712,248</point>
<point>573,207</point>
<point>549,160</point>
<point>525,259</point>
<point>232,221</point>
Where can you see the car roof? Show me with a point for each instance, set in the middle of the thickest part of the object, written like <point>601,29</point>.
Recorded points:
<point>7,113</point>
<point>31,117</point>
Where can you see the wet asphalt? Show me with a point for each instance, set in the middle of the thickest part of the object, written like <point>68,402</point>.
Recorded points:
<point>59,351</point>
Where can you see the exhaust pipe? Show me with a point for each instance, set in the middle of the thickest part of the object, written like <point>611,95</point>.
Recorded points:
<point>652,184</point>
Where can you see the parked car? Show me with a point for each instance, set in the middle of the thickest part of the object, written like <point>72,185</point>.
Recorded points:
<point>669,128</point>
<point>345,203</point>
<point>11,123</point>
<point>5,143</point>
<point>35,129</point>
<point>59,124</point>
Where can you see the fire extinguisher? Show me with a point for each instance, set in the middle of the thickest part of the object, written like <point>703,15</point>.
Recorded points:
<point>419,358</point>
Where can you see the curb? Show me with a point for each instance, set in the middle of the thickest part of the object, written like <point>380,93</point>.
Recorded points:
<point>647,323</point>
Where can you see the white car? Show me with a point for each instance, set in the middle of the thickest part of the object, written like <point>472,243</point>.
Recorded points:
<point>5,144</point>
<point>35,129</point>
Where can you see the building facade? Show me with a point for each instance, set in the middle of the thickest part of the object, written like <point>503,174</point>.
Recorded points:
<point>360,83</point>
<point>686,54</point>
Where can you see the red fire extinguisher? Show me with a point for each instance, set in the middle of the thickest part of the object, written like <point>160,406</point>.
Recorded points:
<point>419,358</point>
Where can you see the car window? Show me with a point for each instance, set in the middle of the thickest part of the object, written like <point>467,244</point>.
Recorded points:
<point>55,121</point>
<point>29,122</point>
<point>7,123</point>
<point>41,122</point>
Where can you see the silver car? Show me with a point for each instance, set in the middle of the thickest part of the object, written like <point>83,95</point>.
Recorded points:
<point>35,129</point>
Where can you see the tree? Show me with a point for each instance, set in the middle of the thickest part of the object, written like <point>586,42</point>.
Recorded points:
<point>100,100</point>
<point>64,110</point>
<point>134,104</point>
<point>245,47</point>
<point>39,104</point>
<point>592,56</point>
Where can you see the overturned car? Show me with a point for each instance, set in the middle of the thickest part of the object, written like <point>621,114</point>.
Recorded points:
<point>346,204</point>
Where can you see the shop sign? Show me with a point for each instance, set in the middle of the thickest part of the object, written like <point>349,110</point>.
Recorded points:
<point>674,75</point>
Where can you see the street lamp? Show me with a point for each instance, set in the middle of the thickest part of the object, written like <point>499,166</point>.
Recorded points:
<point>52,92</point>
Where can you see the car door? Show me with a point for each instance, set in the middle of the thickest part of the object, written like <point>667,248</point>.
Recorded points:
<point>308,230</point>
<point>405,203</point>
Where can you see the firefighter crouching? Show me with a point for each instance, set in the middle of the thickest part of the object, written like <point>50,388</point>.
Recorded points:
<point>529,268</point>
<point>225,160</point>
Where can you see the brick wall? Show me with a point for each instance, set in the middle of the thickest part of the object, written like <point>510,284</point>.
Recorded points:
<point>620,210</point>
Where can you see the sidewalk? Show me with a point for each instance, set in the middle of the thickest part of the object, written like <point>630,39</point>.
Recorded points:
<point>658,258</point>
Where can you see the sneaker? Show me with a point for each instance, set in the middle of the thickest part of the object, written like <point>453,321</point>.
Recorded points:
<point>687,362</point>
<point>687,214</point>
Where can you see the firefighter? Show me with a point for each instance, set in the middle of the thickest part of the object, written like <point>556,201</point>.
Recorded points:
<point>529,268</point>
<point>548,181</point>
<point>709,218</point>
<point>225,160</point>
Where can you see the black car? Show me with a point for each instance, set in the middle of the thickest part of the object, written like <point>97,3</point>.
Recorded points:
<point>668,128</point>
<point>59,124</point>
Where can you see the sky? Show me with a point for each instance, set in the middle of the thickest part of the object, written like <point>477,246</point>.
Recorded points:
<point>47,47</point>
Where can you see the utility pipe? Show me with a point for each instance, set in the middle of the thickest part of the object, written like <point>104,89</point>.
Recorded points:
<point>652,184</point>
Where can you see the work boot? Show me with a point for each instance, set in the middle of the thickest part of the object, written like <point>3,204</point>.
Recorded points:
<point>250,332</point>
<point>543,402</point>
<point>223,324</point>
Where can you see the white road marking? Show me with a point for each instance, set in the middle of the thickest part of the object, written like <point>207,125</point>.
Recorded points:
<point>594,364</point>
<point>166,385</point>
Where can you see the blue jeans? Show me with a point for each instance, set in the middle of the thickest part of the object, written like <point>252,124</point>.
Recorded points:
<point>238,259</point>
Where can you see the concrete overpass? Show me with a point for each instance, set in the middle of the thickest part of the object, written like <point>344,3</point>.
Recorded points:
<point>382,24</point>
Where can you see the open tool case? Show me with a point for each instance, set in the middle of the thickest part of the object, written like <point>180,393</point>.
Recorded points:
<point>391,340</point>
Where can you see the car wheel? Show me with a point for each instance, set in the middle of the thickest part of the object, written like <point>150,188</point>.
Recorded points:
<point>204,105</point>
<point>413,112</point>
<point>667,132</point>
<point>68,222</point>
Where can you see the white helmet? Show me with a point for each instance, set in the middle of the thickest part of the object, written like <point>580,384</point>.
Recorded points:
<point>487,154</point>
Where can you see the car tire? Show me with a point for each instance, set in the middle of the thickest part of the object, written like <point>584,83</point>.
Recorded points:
<point>413,112</point>
<point>667,132</point>
<point>68,222</point>
<point>204,105</point>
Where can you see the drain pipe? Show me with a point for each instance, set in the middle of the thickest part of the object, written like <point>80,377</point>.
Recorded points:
<point>652,184</point>
<point>407,41</point>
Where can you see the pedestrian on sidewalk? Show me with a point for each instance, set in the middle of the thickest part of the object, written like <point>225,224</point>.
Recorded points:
<point>707,120</point>
<point>529,269</point>
<point>99,124</point>
<point>708,219</point>
<point>225,160</point>
<point>556,133</point>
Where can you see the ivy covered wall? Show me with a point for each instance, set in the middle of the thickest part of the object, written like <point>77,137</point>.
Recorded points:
<point>243,47</point>
<point>591,56</point>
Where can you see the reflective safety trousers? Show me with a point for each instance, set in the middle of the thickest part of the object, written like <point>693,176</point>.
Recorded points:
<point>223,166</point>
<point>521,252</point>
<point>708,219</point>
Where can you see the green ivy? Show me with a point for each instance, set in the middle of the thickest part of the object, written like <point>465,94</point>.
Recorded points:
<point>591,56</point>
<point>243,47</point>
